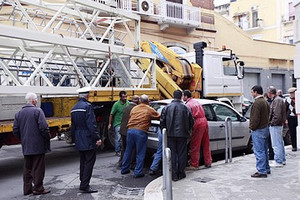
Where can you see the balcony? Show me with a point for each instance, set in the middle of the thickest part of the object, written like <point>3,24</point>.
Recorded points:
<point>174,13</point>
<point>164,13</point>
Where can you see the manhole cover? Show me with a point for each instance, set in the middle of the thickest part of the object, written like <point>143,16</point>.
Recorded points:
<point>203,179</point>
<point>127,192</point>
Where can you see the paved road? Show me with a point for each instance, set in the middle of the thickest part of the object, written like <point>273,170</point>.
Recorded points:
<point>62,175</point>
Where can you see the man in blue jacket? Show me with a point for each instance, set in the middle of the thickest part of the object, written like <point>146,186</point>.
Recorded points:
<point>31,127</point>
<point>84,131</point>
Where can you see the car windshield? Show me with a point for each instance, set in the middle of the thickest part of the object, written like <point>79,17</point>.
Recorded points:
<point>158,106</point>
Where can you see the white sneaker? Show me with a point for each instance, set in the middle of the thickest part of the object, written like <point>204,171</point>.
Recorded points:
<point>284,163</point>
<point>276,164</point>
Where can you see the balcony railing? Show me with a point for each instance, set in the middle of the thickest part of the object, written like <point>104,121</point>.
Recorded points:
<point>167,11</point>
<point>181,13</point>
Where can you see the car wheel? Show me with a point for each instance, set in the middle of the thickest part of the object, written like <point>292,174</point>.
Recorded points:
<point>249,148</point>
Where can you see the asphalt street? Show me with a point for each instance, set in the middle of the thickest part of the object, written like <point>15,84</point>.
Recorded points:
<point>62,175</point>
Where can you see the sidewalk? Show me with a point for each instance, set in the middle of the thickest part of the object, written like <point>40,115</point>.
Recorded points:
<point>232,181</point>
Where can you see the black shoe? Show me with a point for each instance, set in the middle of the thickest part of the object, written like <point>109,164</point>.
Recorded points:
<point>89,190</point>
<point>294,149</point>
<point>208,166</point>
<point>118,154</point>
<point>181,176</point>
<point>41,192</point>
<point>152,172</point>
<point>175,179</point>
<point>268,172</point>
<point>259,175</point>
<point>139,176</point>
<point>125,172</point>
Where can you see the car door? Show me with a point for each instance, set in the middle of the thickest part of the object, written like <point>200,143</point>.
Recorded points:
<point>240,130</point>
<point>213,129</point>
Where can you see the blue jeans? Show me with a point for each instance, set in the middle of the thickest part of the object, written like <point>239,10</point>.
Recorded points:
<point>158,154</point>
<point>138,139</point>
<point>277,143</point>
<point>117,139</point>
<point>260,146</point>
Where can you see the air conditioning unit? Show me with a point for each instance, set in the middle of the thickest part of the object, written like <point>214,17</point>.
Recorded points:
<point>145,7</point>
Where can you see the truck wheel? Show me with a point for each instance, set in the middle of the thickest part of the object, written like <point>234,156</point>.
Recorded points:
<point>68,137</point>
<point>110,139</point>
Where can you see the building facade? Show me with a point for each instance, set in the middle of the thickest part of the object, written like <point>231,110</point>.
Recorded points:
<point>267,20</point>
<point>297,62</point>
<point>179,24</point>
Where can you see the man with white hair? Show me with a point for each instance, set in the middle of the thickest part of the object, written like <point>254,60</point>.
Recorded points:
<point>277,119</point>
<point>31,127</point>
<point>84,131</point>
<point>292,116</point>
<point>138,125</point>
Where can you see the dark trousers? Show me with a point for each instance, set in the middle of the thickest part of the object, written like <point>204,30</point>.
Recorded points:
<point>293,123</point>
<point>271,152</point>
<point>33,173</point>
<point>178,147</point>
<point>87,161</point>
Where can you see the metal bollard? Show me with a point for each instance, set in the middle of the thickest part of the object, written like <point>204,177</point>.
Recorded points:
<point>169,191</point>
<point>167,168</point>
<point>164,146</point>
<point>228,139</point>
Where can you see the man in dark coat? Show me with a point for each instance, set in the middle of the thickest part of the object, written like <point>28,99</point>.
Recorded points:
<point>31,127</point>
<point>259,120</point>
<point>178,120</point>
<point>277,119</point>
<point>292,116</point>
<point>123,127</point>
<point>84,131</point>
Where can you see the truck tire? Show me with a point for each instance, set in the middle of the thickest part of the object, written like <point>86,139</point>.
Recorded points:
<point>110,139</point>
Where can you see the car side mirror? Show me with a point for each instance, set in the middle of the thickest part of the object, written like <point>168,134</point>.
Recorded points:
<point>243,119</point>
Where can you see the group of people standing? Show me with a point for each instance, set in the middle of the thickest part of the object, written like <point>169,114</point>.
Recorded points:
<point>181,120</point>
<point>266,121</point>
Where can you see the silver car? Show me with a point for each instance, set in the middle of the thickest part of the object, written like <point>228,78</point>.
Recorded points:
<point>216,113</point>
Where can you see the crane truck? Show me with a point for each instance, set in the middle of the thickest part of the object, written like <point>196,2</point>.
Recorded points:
<point>59,48</point>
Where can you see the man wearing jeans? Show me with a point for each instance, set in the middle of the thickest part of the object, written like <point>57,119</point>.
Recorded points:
<point>277,119</point>
<point>138,125</point>
<point>158,155</point>
<point>259,120</point>
<point>116,117</point>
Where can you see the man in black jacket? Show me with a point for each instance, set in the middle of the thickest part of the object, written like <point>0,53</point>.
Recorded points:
<point>31,127</point>
<point>178,120</point>
<point>84,131</point>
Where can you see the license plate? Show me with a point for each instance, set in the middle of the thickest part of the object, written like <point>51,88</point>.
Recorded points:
<point>153,129</point>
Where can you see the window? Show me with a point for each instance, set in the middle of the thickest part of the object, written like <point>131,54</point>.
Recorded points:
<point>178,50</point>
<point>223,111</point>
<point>291,11</point>
<point>228,66</point>
<point>208,113</point>
<point>243,21</point>
<point>158,107</point>
<point>254,19</point>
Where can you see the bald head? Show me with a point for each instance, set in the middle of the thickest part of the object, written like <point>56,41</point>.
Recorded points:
<point>144,99</point>
<point>135,99</point>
